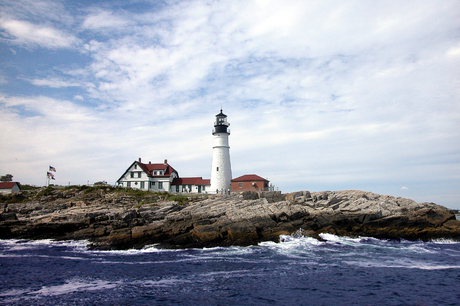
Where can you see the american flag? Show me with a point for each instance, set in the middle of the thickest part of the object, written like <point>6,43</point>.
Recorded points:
<point>52,169</point>
<point>50,175</point>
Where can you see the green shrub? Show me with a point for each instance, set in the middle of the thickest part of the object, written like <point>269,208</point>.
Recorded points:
<point>29,187</point>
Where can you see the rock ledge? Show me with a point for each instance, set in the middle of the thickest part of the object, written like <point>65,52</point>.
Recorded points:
<point>114,220</point>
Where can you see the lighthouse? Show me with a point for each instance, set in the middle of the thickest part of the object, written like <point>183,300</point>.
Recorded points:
<point>221,172</point>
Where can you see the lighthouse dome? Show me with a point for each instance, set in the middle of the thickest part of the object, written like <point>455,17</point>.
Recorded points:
<point>221,124</point>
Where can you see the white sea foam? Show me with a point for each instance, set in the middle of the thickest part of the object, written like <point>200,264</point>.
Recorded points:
<point>13,292</point>
<point>76,285</point>
<point>68,287</point>
<point>130,252</point>
<point>167,282</point>
<point>294,246</point>
<point>401,263</point>
<point>21,245</point>
<point>226,251</point>
<point>444,241</point>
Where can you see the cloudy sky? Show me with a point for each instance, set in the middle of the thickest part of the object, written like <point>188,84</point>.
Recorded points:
<point>321,95</point>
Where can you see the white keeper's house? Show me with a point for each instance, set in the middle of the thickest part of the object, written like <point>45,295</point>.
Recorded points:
<point>161,177</point>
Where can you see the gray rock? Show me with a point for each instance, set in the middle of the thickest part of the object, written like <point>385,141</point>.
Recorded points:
<point>113,220</point>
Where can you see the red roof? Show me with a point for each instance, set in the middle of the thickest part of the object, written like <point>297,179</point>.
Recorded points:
<point>149,168</point>
<point>190,181</point>
<point>249,177</point>
<point>7,185</point>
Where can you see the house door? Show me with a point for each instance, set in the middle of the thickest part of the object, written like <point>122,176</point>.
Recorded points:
<point>199,189</point>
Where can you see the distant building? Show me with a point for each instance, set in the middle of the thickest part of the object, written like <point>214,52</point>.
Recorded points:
<point>249,182</point>
<point>160,177</point>
<point>9,187</point>
<point>190,185</point>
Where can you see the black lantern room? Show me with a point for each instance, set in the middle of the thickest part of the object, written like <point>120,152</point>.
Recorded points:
<point>221,125</point>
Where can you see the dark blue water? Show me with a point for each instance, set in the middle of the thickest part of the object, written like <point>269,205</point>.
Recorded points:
<point>298,271</point>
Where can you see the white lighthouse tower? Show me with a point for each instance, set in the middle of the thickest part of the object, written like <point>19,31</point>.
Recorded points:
<point>221,172</point>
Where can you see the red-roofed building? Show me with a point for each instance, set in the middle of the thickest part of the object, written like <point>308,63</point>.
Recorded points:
<point>191,185</point>
<point>249,182</point>
<point>160,177</point>
<point>9,187</point>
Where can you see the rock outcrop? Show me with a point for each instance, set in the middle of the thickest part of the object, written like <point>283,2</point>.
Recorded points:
<point>117,220</point>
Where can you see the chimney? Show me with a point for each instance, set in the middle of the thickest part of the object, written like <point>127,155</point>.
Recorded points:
<point>166,161</point>
<point>139,159</point>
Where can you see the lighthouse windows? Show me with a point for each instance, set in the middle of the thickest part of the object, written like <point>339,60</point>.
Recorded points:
<point>217,168</point>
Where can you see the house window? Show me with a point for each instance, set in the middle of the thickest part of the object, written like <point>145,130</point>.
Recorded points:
<point>240,185</point>
<point>203,187</point>
<point>128,184</point>
<point>135,166</point>
<point>139,174</point>
<point>142,185</point>
<point>160,185</point>
<point>153,183</point>
<point>217,168</point>
<point>132,174</point>
<point>154,173</point>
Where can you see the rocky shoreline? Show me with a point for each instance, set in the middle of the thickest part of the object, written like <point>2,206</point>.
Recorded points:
<point>110,218</point>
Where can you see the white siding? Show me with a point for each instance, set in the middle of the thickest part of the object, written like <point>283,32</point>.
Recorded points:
<point>221,172</point>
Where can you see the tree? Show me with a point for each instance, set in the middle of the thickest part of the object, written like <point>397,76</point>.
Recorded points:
<point>6,178</point>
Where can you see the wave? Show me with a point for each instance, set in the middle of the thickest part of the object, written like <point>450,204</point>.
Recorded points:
<point>69,287</point>
<point>402,264</point>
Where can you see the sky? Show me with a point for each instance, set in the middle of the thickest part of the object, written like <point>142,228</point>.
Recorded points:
<point>320,95</point>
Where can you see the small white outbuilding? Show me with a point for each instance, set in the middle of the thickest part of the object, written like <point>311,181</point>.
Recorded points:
<point>9,187</point>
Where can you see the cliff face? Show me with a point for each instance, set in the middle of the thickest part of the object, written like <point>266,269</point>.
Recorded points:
<point>114,220</point>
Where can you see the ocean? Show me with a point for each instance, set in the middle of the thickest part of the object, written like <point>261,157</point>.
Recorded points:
<point>295,271</point>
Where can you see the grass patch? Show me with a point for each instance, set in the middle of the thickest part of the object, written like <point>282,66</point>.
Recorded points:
<point>45,192</point>
<point>143,196</point>
<point>178,198</point>
<point>13,198</point>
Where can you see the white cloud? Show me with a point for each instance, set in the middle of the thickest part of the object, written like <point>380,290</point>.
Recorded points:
<point>454,52</point>
<point>29,34</point>
<point>102,20</point>
<point>320,95</point>
<point>54,83</point>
